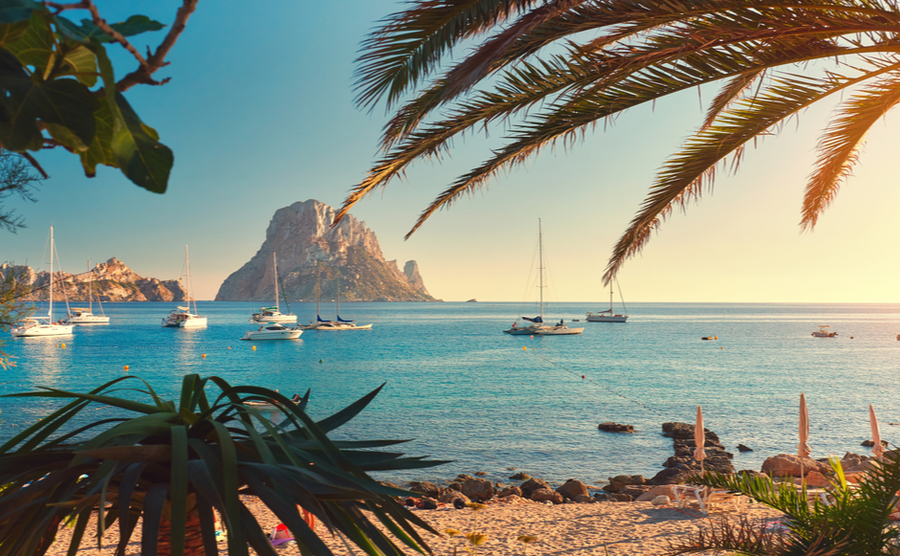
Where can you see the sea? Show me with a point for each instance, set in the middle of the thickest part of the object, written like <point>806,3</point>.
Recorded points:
<point>459,390</point>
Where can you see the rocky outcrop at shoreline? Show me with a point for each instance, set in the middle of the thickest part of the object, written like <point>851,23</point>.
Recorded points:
<point>678,469</point>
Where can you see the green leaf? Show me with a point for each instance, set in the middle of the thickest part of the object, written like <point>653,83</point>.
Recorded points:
<point>134,25</point>
<point>143,159</point>
<point>36,47</point>
<point>12,32</point>
<point>80,63</point>
<point>13,11</point>
<point>25,101</point>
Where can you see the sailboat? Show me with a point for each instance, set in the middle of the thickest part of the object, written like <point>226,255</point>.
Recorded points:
<point>273,314</point>
<point>87,316</point>
<point>339,324</point>
<point>182,317</point>
<point>607,315</point>
<point>44,326</point>
<point>536,326</point>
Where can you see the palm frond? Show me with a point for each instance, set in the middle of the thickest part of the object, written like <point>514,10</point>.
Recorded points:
<point>840,145</point>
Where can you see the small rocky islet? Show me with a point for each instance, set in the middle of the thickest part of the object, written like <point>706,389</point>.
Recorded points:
<point>677,469</point>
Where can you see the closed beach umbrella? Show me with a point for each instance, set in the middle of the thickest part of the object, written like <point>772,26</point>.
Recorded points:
<point>699,439</point>
<point>803,449</point>
<point>877,448</point>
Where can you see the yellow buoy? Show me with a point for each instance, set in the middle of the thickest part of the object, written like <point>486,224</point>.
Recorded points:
<point>64,346</point>
<point>253,348</point>
<point>203,356</point>
<point>126,367</point>
<point>524,348</point>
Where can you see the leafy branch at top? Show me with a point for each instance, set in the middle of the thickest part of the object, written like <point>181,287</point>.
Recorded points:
<point>58,87</point>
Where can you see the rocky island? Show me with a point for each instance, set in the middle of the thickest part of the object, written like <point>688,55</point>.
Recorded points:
<point>109,281</point>
<point>311,255</point>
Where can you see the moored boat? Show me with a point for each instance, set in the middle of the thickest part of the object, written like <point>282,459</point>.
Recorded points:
<point>273,314</point>
<point>608,315</point>
<point>273,331</point>
<point>182,317</point>
<point>536,326</point>
<point>824,331</point>
<point>87,316</point>
<point>44,326</point>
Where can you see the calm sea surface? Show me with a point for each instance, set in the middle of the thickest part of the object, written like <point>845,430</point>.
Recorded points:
<point>464,391</point>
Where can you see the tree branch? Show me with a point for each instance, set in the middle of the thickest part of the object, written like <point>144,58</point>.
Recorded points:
<point>157,60</point>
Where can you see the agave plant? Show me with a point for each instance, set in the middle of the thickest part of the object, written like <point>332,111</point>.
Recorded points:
<point>173,464</point>
<point>856,520</point>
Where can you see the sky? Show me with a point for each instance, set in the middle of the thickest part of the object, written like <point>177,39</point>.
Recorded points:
<point>259,112</point>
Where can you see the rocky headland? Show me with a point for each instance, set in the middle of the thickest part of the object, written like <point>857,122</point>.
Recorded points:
<point>310,254</point>
<point>109,281</point>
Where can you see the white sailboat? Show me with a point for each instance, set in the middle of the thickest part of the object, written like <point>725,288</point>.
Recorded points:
<point>44,326</point>
<point>86,316</point>
<point>536,326</point>
<point>607,315</point>
<point>182,317</point>
<point>339,324</point>
<point>273,314</point>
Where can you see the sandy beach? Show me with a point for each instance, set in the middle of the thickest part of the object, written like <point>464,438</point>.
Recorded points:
<point>617,529</point>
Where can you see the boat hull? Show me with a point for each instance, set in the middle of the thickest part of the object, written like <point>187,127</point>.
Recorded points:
<point>182,320</point>
<point>287,334</point>
<point>593,317</point>
<point>87,319</point>
<point>33,329</point>
<point>336,326</point>
<point>543,330</point>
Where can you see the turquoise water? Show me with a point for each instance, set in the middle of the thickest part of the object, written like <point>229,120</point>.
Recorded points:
<point>464,391</point>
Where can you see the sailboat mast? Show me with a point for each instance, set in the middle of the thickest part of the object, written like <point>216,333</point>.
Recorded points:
<point>275,268</point>
<point>541,265</point>
<point>50,313</point>
<point>187,279</point>
<point>90,290</point>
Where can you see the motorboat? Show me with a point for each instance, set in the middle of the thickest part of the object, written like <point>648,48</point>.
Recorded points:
<point>536,325</point>
<point>608,315</point>
<point>273,314</point>
<point>273,331</point>
<point>87,316</point>
<point>181,316</point>
<point>44,326</point>
<point>824,331</point>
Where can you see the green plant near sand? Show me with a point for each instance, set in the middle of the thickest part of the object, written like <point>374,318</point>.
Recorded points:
<point>172,463</point>
<point>856,523</point>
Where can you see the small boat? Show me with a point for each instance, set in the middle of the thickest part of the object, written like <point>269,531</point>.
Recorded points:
<point>273,331</point>
<point>607,315</point>
<point>87,316</point>
<point>339,324</point>
<point>182,317</point>
<point>44,326</point>
<point>273,314</point>
<point>536,326</point>
<point>824,331</point>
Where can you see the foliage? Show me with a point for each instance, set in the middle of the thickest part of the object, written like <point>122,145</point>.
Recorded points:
<point>552,70</point>
<point>59,88</point>
<point>12,309</point>
<point>16,178</point>
<point>855,522</point>
<point>164,461</point>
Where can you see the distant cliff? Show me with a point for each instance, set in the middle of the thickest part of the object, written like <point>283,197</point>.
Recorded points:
<point>308,252</point>
<point>109,281</point>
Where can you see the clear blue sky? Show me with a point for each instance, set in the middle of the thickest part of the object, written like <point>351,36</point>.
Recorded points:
<point>260,114</point>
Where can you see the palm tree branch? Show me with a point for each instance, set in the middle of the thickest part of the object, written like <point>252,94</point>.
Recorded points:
<point>840,145</point>
<point>684,175</point>
<point>410,43</point>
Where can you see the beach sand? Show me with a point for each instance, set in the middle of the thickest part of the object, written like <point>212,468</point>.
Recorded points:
<point>614,528</point>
